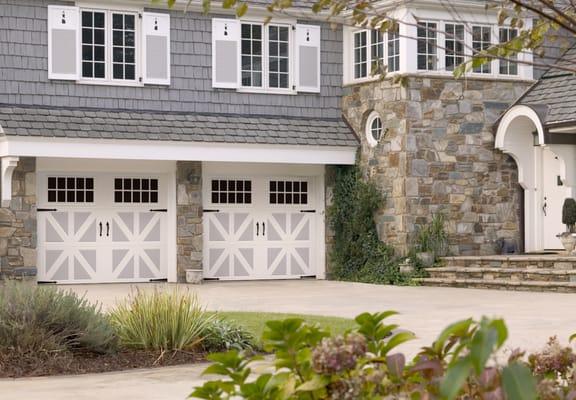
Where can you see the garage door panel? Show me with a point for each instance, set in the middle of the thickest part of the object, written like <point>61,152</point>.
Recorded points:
<point>104,241</point>
<point>272,237</point>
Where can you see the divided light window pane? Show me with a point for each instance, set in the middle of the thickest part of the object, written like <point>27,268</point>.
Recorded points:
<point>93,44</point>
<point>360,55</point>
<point>377,49</point>
<point>123,46</point>
<point>278,56</point>
<point>251,43</point>
<point>454,44</point>
<point>427,47</point>
<point>508,67</point>
<point>393,50</point>
<point>481,40</point>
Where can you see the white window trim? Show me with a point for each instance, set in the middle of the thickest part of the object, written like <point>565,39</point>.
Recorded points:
<point>265,61</point>
<point>109,81</point>
<point>372,142</point>
<point>349,55</point>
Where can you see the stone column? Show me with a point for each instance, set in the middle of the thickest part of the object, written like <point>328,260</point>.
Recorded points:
<point>189,216</point>
<point>18,221</point>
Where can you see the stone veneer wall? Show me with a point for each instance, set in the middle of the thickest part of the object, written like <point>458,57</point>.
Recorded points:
<point>18,222</point>
<point>189,216</point>
<point>438,156</point>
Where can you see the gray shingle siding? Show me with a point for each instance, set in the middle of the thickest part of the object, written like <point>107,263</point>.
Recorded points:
<point>24,72</point>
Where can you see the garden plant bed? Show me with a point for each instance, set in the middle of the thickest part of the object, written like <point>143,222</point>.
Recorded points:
<point>65,363</point>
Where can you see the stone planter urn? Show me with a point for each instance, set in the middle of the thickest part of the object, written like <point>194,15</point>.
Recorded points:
<point>426,258</point>
<point>568,241</point>
<point>194,276</point>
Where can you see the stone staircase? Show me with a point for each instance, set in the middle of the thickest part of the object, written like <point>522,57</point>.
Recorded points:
<point>538,273</point>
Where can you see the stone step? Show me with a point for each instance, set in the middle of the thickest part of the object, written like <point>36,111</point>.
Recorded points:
<point>509,274</point>
<point>556,262</point>
<point>501,284</point>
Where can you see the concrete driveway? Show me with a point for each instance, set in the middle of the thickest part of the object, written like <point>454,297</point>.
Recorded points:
<point>531,318</point>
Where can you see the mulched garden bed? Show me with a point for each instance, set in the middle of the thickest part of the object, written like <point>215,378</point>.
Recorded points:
<point>17,366</point>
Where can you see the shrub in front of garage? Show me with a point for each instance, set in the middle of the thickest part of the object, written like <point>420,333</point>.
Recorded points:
<point>357,253</point>
<point>47,331</point>
<point>365,363</point>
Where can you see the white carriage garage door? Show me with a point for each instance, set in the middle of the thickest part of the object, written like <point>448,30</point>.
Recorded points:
<point>261,227</point>
<point>101,228</point>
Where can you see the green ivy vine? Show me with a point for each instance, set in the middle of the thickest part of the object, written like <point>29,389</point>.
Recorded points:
<point>357,253</point>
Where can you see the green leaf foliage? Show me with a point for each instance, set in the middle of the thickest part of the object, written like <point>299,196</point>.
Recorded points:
<point>357,253</point>
<point>309,364</point>
<point>518,382</point>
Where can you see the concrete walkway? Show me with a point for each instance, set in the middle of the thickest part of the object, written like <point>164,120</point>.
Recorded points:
<point>531,318</point>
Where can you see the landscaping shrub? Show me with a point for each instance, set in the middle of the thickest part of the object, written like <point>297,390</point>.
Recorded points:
<point>357,253</point>
<point>165,320</point>
<point>42,320</point>
<point>309,363</point>
<point>221,335</point>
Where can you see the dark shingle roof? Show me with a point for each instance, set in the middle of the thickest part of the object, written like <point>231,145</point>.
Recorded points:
<point>154,125</point>
<point>556,91</point>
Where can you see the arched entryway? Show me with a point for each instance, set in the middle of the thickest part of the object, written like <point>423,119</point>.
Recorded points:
<point>542,174</point>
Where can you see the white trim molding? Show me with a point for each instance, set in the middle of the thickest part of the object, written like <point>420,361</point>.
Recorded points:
<point>520,134</point>
<point>8,165</point>
<point>174,151</point>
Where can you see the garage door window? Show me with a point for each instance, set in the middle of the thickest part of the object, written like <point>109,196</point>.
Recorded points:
<point>69,189</point>
<point>231,191</point>
<point>288,192</point>
<point>135,190</point>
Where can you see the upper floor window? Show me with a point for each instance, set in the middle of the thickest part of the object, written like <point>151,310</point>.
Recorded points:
<point>265,42</point>
<point>274,57</point>
<point>427,46</point>
<point>482,40</point>
<point>454,45</point>
<point>373,49</point>
<point>393,50</point>
<point>360,54</point>
<point>508,67</point>
<point>109,45</point>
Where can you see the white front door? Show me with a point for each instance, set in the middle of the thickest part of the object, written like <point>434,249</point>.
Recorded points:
<point>101,228</point>
<point>260,227</point>
<point>553,194</point>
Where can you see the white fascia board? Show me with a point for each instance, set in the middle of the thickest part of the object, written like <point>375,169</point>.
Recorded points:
<point>178,151</point>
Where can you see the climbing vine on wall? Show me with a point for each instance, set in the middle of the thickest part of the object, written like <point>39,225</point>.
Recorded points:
<point>357,252</point>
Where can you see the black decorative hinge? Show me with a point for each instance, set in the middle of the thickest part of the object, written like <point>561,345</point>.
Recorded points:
<point>158,210</point>
<point>307,211</point>
<point>211,211</point>
<point>46,209</point>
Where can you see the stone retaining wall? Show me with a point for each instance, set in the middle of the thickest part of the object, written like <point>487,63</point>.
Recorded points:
<point>438,156</point>
<point>189,216</point>
<point>18,222</point>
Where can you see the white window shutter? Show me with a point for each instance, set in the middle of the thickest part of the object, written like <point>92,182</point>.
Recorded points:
<point>308,58</point>
<point>156,48</point>
<point>63,42</point>
<point>225,53</point>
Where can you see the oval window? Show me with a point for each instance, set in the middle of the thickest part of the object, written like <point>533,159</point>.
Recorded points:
<point>374,129</point>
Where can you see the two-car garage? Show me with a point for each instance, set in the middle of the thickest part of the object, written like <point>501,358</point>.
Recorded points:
<point>116,221</point>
